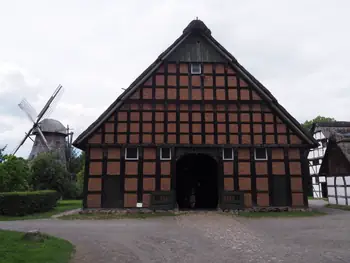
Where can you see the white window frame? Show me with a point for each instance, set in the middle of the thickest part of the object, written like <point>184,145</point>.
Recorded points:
<point>126,153</point>
<point>161,154</point>
<point>200,69</point>
<point>260,159</point>
<point>228,159</point>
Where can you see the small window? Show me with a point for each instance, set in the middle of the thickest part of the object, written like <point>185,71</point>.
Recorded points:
<point>165,154</point>
<point>315,162</point>
<point>227,154</point>
<point>196,68</point>
<point>131,153</point>
<point>260,154</point>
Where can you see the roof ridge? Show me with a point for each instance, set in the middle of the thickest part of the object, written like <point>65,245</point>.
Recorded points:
<point>197,26</point>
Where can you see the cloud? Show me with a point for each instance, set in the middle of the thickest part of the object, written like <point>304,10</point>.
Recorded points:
<point>297,49</point>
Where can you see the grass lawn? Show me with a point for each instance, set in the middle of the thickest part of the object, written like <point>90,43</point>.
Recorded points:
<point>15,250</point>
<point>313,198</point>
<point>342,207</point>
<point>281,214</point>
<point>103,216</point>
<point>62,206</point>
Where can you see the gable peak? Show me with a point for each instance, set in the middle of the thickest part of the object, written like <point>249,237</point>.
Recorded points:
<point>197,26</point>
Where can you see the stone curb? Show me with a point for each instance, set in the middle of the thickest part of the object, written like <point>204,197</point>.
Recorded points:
<point>69,212</point>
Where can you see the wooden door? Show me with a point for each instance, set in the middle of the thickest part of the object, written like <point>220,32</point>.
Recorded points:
<point>112,196</point>
<point>280,191</point>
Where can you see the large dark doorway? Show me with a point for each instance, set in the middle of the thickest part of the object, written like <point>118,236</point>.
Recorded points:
<point>111,192</point>
<point>196,182</point>
<point>280,191</point>
<point>324,190</point>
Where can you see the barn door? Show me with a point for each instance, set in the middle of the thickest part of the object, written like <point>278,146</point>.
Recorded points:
<point>280,191</point>
<point>112,192</point>
<point>324,190</point>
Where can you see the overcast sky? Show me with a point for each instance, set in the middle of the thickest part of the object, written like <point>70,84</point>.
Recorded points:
<point>300,50</point>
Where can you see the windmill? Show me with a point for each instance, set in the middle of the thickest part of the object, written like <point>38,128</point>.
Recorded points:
<point>50,134</point>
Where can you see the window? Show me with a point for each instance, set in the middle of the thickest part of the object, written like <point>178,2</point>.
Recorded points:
<point>315,162</point>
<point>131,153</point>
<point>260,154</point>
<point>196,68</point>
<point>165,154</point>
<point>227,154</point>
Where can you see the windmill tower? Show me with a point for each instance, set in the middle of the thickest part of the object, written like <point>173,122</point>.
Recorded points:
<point>55,134</point>
<point>50,134</point>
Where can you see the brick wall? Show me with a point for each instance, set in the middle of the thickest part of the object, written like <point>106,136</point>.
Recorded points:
<point>173,107</point>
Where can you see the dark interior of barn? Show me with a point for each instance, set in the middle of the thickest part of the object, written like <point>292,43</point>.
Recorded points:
<point>196,182</point>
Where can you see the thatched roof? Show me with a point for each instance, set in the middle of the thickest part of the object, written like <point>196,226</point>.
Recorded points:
<point>338,129</point>
<point>344,146</point>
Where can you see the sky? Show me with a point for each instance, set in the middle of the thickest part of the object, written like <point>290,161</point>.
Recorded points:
<point>300,50</point>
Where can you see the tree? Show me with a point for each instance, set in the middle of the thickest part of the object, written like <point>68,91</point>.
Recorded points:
<point>75,161</point>
<point>48,173</point>
<point>2,155</point>
<point>307,124</point>
<point>80,183</point>
<point>14,174</point>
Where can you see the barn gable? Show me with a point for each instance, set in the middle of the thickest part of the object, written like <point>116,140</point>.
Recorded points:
<point>338,156</point>
<point>220,69</point>
<point>195,113</point>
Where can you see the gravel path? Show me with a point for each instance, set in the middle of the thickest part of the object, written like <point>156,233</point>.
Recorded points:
<point>204,237</point>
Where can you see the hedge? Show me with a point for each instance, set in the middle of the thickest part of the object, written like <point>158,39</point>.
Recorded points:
<point>23,203</point>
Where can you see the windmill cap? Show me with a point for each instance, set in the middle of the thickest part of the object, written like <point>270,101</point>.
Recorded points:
<point>52,126</point>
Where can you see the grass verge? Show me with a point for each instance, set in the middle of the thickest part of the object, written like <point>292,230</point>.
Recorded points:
<point>105,216</point>
<point>62,206</point>
<point>14,250</point>
<point>281,214</point>
<point>313,198</point>
<point>342,207</point>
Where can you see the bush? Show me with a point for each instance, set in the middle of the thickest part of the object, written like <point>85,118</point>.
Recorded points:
<point>47,172</point>
<point>23,203</point>
<point>14,174</point>
<point>69,190</point>
<point>80,184</point>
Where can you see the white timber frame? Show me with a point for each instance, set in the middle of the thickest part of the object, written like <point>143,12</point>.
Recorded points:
<point>338,187</point>
<point>315,158</point>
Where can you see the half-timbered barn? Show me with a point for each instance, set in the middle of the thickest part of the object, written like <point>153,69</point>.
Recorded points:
<point>195,129</point>
<point>322,132</point>
<point>336,169</point>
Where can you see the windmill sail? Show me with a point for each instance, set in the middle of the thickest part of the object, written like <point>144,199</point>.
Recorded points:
<point>49,102</point>
<point>31,114</point>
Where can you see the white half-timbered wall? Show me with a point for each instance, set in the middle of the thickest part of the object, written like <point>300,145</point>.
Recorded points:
<point>338,190</point>
<point>315,158</point>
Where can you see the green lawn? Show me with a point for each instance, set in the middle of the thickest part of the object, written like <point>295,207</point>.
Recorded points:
<point>15,250</point>
<point>313,198</point>
<point>281,214</point>
<point>62,206</point>
<point>103,216</point>
<point>342,207</point>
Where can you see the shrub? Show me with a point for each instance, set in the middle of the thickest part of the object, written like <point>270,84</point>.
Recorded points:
<point>80,184</point>
<point>47,172</point>
<point>69,190</point>
<point>23,203</point>
<point>14,174</point>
